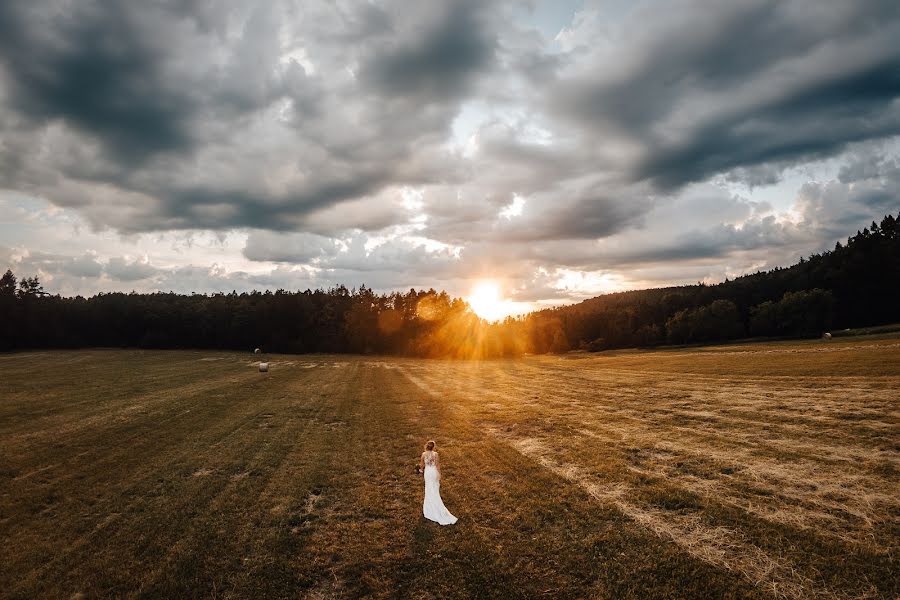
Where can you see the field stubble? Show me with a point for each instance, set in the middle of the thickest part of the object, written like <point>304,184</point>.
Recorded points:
<point>767,470</point>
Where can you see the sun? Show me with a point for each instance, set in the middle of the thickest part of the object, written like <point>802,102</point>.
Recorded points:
<point>486,302</point>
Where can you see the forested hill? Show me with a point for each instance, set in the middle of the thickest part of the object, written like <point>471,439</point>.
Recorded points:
<point>854,285</point>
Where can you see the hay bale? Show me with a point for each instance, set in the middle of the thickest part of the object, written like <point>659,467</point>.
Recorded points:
<point>826,336</point>
<point>263,367</point>
<point>257,351</point>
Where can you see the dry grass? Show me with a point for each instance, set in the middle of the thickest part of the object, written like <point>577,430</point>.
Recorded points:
<point>767,470</point>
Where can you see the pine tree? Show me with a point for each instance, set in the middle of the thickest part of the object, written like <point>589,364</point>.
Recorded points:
<point>8,285</point>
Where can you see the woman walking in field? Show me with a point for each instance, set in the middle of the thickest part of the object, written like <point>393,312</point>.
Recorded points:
<point>433,507</point>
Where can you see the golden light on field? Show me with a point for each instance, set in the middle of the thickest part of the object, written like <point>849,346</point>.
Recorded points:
<point>486,302</point>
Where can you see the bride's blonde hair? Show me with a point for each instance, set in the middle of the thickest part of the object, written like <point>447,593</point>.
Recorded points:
<point>429,445</point>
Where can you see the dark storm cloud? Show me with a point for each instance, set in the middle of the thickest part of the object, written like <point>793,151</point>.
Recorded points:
<point>224,208</point>
<point>856,107</point>
<point>694,46</point>
<point>592,213</point>
<point>95,68</point>
<point>737,85</point>
<point>438,61</point>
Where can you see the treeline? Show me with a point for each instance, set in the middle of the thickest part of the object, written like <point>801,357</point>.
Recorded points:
<point>854,285</point>
<point>338,320</point>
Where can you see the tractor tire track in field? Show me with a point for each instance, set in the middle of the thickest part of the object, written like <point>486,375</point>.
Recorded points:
<point>816,475</point>
<point>495,538</point>
<point>108,447</point>
<point>719,546</point>
<point>122,502</point>
<point>723,546</point>
<point>238,546</point>
<point>583,476</point>
<point>141,490</point>
<point>145,406</point>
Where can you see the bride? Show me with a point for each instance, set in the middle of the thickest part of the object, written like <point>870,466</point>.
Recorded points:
<point>433,507</point>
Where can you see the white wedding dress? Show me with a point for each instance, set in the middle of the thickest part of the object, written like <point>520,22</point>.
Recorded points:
<point>433,507</point>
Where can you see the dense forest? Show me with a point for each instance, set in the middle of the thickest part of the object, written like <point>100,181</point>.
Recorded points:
<point>857,284</point>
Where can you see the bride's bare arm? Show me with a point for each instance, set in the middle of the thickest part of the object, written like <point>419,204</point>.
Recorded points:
<point>437,463</point>
<point>422,461</point>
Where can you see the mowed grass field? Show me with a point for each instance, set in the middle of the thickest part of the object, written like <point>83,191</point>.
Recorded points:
<point>758,471</point>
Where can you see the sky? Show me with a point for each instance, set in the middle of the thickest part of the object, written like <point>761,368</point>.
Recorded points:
<point>549,150</point>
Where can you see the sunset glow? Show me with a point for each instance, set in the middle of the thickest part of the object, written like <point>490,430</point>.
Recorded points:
<point>486,302</point>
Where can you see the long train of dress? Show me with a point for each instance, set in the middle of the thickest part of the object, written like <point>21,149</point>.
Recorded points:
<point>433,507</point>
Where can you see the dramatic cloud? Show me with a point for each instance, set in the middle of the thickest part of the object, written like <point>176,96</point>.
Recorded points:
<point>597,146</point>
<point>438,61</point>
<point>750,83</point>
<point>99,68</point>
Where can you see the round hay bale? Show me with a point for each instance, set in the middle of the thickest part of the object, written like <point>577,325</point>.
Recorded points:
<point>257,351</point>
<point>263,367</point>
<point>826,336</point>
